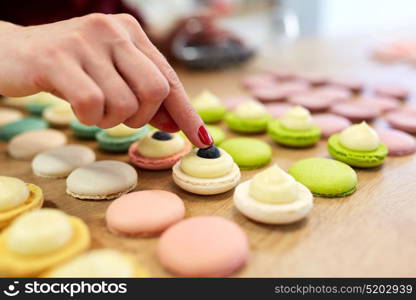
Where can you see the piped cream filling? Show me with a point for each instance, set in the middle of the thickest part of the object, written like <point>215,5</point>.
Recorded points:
<point>13,192</point>
<point>153,148</point>
<point>360,137</point>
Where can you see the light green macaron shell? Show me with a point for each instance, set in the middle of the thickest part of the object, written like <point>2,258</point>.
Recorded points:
<point>291,137</point>
<point>248,153</point>
<point>361,159</point>
<point>325,177</point>
<point>238,124</point>
<point>119,144</point>
<point>212,115</point>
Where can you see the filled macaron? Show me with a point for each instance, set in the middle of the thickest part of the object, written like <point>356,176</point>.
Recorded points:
<point>273,197</point>
<point>39,240</point>
<point>16,198</point>
<point>120,137</point>
<point>158,150</point>
<point>209,107</point>
<point>99,263</point>
<point>295,129</point>
<point>248,117</point>
<point>359,146</point>
<point>206,171</point>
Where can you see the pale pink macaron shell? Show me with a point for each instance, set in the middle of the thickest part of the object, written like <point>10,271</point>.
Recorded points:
<point>384,104</point>
<point>336,94</point>
<point>145,213</point>
<point>233,102</point>
<point>258,80</point>
<point>354,85</point>
<point>403,120</point>
<point>203,247</point>
<point>280,92</point>
<point>312,101</point>
<point>161,163</point>
<point>277,110</point>
<point>398,142</point>
<point>391,90</point>
<point>356,111</point>
<point>330,123</point>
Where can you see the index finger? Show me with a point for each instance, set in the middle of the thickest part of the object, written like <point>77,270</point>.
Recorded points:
<point>177,102</point>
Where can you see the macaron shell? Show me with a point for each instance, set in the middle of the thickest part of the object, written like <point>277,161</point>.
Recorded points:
<point>161,163</point>
<point>144,213</point>
<point>119,144</point>
<point>203,247</point>
<point>293,138</point>
<point>325,177</point>
<point>312,101</point>
<point>8,115</point>
<point>12,129</point>
<point>248,153</point>
<point>277,110</point>
<point>398,142</point>
<point>246,125</point>
<point>84,131</point>
<point>28,144</point>
<point>356,111</point>
<point>402,120</point>
<point>103,179</point>
<point>330,123</point>
<point>59,162</point>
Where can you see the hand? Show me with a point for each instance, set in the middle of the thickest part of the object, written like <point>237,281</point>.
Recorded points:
<point>105,66</point>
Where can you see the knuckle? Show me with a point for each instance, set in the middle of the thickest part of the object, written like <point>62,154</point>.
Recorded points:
<point>171,76</point>
<point>89,100</point>
<point>124,109</point>
<point>98,19</point>
<point>158,91</point>
<point>128,19</point>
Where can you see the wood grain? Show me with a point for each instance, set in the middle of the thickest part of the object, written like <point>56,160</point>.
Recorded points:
<point>371,233</point>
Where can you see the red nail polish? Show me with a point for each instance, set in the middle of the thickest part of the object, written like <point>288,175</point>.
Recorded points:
<point>204,136</point>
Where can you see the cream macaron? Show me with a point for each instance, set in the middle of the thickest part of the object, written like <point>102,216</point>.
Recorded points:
<point>16,198</point>
<point>99,263</point>
<point>59,162</point>
<point>59,114</point>
<point>206,171</point>
<point>8,115</point>
<point>105,179</point>
<point>273,197</point>
<point>26,145</point>
<point>39,240</point>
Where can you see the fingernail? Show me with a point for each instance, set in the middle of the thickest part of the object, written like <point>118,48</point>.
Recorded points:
<point>204,136</point>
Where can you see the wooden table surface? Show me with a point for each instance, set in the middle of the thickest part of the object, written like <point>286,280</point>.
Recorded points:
<point>370,233</point>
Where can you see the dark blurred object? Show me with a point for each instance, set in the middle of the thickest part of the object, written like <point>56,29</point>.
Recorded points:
<point>199,43</point>
<point>38,12</point>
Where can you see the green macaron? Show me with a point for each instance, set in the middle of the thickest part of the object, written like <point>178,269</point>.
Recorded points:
<point>361,159</point>
<point>248,153</point>
<point>12,129</point>
<point>36,109</point>
<point>84,131</point>
<point>291,137</point>
<point>217,134</point>
<point>212,115</point>
<point>238,124</point>
<point>209,107</point>
<point>325,177</point>
<point>121,144</point>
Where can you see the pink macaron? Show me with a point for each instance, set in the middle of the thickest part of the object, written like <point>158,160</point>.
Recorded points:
<point>313,79</point>
<point>330,123</point>
<point>402,119</point>
<point>312,101</point>
<point>384,104</point>
<point>337,94</point>
<point>398,142</point>
<point>160,163</point>
<point>392,90</point>
<point>233,102</point>
<point>203,247</point>
<point>356,111</point>
<point>354,85</point>
<point>258,80</point>
<point>144,213</point>
<point>277,110</point>
<point>279,92</point>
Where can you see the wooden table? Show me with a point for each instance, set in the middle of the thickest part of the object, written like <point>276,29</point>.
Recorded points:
<point>371,233</point>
